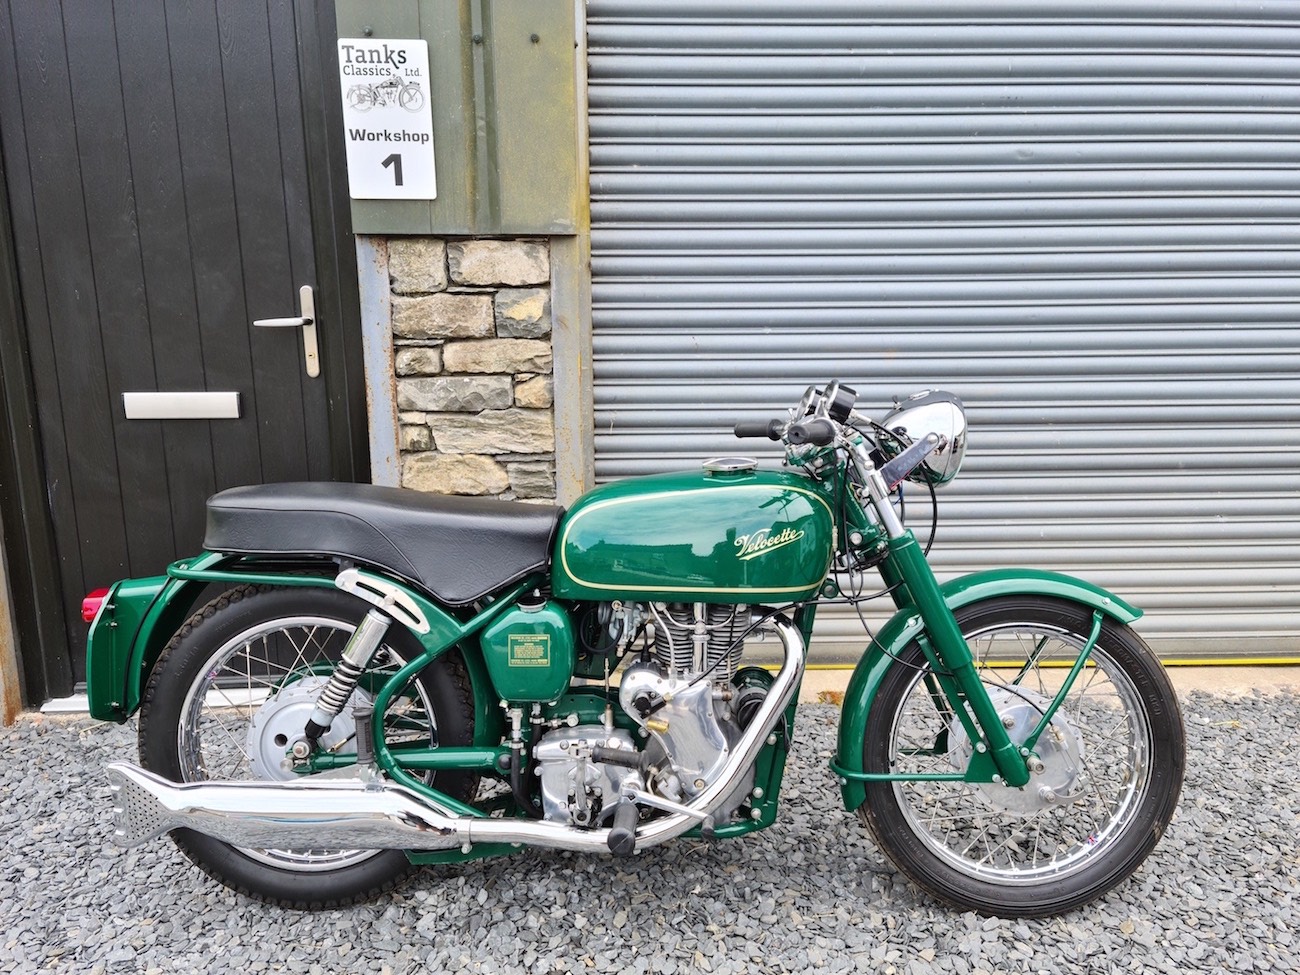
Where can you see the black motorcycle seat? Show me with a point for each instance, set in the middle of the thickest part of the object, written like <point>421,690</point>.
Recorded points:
<point>458,548</point>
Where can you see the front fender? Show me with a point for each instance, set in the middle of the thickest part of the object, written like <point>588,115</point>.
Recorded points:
<point>906,624</point>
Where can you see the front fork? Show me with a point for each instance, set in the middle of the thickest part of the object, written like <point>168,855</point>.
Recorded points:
<point>954,668</point>
<point>942,641</point>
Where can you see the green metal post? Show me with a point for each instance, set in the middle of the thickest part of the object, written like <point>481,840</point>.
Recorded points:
<point>1057,701</point>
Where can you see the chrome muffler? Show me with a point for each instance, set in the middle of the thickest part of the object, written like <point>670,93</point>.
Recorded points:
<point>338,814</point>
<point>354,814</point>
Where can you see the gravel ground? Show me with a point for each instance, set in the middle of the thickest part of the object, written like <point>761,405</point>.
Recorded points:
<point>812,892</point>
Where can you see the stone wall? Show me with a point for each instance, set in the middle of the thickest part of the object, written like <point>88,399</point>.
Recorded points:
<point>471,322</point>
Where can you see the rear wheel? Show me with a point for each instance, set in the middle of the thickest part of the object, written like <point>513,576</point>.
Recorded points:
<point>235,687</point>
<point>360,98</point>
<point>1112,764</point>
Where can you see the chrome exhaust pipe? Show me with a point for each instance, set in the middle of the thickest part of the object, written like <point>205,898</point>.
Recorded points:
<point>335,814</point>
<point>353,814</point>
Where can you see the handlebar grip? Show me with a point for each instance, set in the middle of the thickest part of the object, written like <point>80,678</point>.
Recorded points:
<point>771,429</point>
<point>816,430</point>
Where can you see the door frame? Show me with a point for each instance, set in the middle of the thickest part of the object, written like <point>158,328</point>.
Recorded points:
<point>32,559</point>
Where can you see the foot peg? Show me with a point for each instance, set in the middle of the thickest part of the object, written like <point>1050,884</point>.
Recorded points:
<point>622,835</point>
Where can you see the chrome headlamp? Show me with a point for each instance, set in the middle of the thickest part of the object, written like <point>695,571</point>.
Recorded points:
<point>931,411</point>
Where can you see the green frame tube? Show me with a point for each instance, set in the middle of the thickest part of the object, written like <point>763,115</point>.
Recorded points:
<point>445,633</point>
<point>181,570</point>
<point>455,757</point>
<point>852,776</point>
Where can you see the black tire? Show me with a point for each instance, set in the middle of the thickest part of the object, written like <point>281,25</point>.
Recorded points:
<point>978,847</point>
<point>194,660</point>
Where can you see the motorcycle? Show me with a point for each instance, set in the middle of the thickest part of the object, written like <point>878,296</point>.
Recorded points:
<point>407,94</point>
<point>386,679</point>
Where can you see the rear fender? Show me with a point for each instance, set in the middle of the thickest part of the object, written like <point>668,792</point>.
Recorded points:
<point>135,621</point>
<point>140,616</point>
<point>906,624</point>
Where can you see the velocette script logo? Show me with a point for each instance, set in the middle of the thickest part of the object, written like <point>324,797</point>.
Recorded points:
<point>764,541</point>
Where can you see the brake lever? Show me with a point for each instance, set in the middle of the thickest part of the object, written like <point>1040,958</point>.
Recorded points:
<point>896,471</point>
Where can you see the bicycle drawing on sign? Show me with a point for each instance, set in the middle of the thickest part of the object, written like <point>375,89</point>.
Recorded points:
<point>407,94</point>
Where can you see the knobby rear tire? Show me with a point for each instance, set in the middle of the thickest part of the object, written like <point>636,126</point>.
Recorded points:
<point>188,664</point>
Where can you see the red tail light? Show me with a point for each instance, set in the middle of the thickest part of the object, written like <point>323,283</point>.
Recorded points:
<point>90,605</point>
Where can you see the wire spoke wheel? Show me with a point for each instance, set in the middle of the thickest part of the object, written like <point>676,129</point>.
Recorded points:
<point>1108,771</point>
<point>1007,839</point>
<point>234,689</point>
<point>253,698</point>
<point>411,98</point>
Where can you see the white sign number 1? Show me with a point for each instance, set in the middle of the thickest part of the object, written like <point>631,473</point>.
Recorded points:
<point>387,118</point>
<point>395,160</point>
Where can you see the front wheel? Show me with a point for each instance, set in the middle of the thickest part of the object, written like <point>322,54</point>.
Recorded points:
<point>236,685</point>
<point>411,98</point>
<point>1112,763</point>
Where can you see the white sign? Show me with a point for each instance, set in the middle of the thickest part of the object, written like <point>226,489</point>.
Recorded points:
<point>387,118</point>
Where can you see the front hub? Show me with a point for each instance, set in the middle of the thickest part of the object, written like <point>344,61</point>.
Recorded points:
<point>1056,769</point>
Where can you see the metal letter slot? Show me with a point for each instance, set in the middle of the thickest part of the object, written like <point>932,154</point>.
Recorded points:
<point>181,406</point>
<point>307,322</point>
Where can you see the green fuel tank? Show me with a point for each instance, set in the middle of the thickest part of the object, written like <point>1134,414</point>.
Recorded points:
<point>712,536</point>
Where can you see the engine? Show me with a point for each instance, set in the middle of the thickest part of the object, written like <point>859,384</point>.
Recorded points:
<point>576,788</point>
<point>698,638</point>
<point>631,558</point>
<point>690,700</point>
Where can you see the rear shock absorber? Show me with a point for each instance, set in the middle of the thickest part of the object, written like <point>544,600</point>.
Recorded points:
<point>361,647</point>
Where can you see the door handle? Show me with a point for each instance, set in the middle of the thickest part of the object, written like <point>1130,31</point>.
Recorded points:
<point>307,322</point>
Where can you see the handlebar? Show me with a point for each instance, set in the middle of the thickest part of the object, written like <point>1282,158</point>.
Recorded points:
<point>770,429</point>
<point>819,431</point>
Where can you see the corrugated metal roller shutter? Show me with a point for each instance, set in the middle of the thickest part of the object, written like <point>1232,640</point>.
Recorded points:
<point>1084,218</point>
